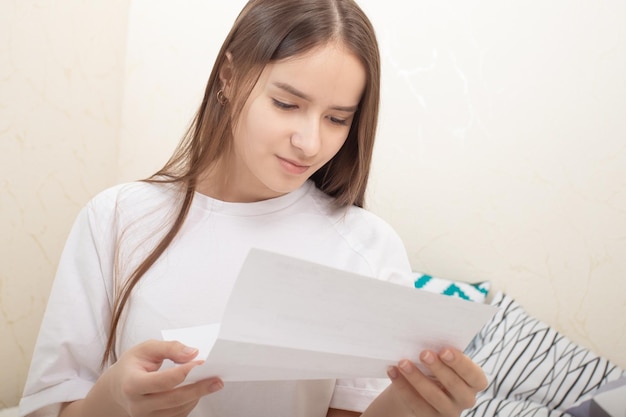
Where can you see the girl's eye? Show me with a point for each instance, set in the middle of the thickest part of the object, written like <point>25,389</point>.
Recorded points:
<point>283,105</point>
<point>338,121</point>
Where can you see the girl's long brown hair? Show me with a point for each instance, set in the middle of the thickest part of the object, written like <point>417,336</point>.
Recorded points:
<point>268,31</point>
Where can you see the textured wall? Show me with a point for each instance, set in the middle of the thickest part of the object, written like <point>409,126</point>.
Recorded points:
<point>502,152</point>
<point>61,79</point>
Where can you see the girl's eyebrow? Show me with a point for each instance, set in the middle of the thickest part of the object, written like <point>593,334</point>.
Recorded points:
<point>294,91</point>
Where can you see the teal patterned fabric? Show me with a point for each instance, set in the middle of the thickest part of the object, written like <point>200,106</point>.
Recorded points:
<point>476,292</point>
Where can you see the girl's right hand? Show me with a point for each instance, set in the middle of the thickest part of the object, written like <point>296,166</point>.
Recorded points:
<point>136,387</point>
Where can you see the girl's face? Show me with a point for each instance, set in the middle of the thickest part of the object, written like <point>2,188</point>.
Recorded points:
<point>296,119</point>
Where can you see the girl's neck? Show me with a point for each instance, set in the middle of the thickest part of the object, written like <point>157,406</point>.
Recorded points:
<point>226,185</point>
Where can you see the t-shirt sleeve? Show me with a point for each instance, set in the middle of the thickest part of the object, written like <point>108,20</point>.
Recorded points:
<point>69,348</point>
<point>357,394</point>
<point>388,260</point>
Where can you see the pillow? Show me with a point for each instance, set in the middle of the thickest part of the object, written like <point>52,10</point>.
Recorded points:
<point>533,369</point>
<point>472,292</point>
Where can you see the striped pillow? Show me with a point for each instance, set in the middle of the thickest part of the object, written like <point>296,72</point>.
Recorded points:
<point>533,369</point>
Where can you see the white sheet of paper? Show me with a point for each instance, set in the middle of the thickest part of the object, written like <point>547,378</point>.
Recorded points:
<point>291,319</point>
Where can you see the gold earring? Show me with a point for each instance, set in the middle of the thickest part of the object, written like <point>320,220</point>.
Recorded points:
<point>221,98</point>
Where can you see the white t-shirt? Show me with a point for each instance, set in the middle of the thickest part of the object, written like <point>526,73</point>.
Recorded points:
<point>189,286</point>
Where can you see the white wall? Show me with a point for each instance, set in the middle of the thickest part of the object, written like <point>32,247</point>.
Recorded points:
<point>502,152</point>
<point>61,79</point>
<point>170,52</point>
<point>500,155</point>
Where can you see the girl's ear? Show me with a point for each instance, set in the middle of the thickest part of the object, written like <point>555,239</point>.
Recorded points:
<point>226,75</point>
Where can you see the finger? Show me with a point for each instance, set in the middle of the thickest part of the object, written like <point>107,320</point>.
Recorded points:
<point>152,353</point>
<point>427,388</point>
<point>180,398</point>
<point>455,387</point>
<point>147,409</point>
<point>178,412</point>
<point>469,371</point>
<point>407,394</point>
<point>163,380</point>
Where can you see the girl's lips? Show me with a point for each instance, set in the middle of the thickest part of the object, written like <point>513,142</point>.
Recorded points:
<point>293,167</point>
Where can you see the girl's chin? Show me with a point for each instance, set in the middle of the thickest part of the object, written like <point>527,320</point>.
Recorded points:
<point>285,187</point>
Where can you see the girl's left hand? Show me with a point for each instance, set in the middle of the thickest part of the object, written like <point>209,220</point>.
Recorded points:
<point>451,388</point>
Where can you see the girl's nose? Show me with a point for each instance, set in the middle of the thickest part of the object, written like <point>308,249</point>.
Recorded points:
<point>307,138</point>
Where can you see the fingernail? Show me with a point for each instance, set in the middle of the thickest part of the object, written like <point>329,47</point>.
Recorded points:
<point>428,358</point>
<point>392,372</point>
<point>447,355</point>
<point>216,386</point>
<point>406,366</point>
<point>189,350</point>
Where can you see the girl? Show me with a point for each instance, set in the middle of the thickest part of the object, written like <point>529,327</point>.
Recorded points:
<point>278,158</point>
